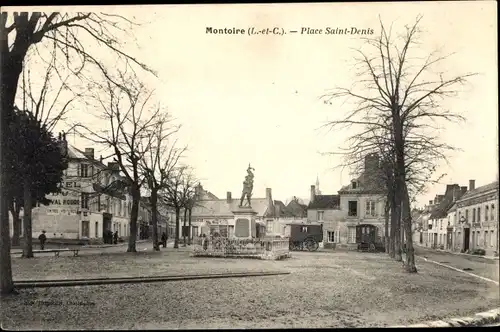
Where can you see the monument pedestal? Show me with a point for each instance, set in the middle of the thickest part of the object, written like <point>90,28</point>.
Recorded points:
<point>244,223</point>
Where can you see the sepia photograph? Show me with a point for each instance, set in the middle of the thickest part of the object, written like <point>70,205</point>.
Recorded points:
<point>249,166</point>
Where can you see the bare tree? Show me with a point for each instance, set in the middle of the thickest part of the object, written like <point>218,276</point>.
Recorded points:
<point>125,109</point>
<point>400,96</point>
<point>20,32</point>
<point>159,163</point>
<point>177,194</point>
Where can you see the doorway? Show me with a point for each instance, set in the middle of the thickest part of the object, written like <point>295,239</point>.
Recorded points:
<point>466,238</point>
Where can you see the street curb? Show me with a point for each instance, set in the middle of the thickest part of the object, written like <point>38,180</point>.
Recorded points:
<point>23,284</point>
<point>459,253</point>
<point>99,246</point>
<point>479,319</point>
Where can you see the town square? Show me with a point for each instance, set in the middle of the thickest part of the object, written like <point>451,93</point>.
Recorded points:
<point>326,165</point>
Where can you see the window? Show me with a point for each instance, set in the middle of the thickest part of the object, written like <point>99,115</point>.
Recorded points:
<point>474,215</point>
<point>486,211</point>
<point>478,214</point>
<point>84,170</point>
<point>331,237</point>
<point>351,238</point>
<point>492,238</point>
<point>492,211</point>
<point>441,224</point>
<point>370,209</point>
<point>85,228</point>
<point>96,231</point>
<point>303,229</point>
<point>467,215</point>
<point>269,226</point>
<point>485,240</point>
<point>321,215</point>
<point>354,185</point>
<point>85,200</point>
<point>353,209</point>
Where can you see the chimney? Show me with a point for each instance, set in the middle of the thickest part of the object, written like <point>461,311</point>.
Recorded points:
<point>472,184</point>
<point>89,153</point>
<point>463,189</point>
<point>197,190</point>
<point>313,193</point>
<point>269,196</point>
<point>430,202</point>
<point>228,197</point>
<point>113,166</point>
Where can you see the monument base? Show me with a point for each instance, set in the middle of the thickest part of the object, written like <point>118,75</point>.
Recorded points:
<point>244,223</point>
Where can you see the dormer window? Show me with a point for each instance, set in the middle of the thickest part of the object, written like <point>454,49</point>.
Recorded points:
<point>354,184</point>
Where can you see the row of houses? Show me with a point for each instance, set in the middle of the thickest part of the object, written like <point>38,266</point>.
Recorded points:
<point>93,200</point>
<point>360,202</point>
<point>462,219</point>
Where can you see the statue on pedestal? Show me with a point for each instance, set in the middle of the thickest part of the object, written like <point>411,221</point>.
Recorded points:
<point>247,187</point>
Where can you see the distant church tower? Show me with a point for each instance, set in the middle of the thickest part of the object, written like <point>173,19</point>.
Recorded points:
<point>318,192</point>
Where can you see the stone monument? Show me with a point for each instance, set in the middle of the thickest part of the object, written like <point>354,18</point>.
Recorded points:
<point>244,215</point>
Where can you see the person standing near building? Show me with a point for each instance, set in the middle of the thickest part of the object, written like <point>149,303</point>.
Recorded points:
<point>42,239</point>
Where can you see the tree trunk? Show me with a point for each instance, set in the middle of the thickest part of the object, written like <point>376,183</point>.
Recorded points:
<point>154,212</point>
<point>184,227</point>
<point>15,210</point>
<point>410,252</point>
<point>190,231</point>
<point>177,224</point>
<point>12,66</point>
<point>28,235</point>
<point>397,232</point>
<point>387,208</point>
<point>6,282</point>
<point>392,230</point>
<point>136,196</point>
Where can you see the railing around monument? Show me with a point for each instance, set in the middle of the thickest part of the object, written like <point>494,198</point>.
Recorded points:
<point>264,248</point>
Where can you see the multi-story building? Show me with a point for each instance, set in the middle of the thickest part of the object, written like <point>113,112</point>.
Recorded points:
<point>440,234</point>
<point>477,226</point>
<point>94,199</point>
<point>360,202</point>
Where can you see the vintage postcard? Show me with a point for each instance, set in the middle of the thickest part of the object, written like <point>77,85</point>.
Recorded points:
<point>249,166</point>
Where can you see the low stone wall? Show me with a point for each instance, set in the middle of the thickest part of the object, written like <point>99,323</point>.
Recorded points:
<point>243,248</point>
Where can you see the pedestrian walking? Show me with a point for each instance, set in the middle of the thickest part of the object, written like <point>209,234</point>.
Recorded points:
<point>115,237</point>
<point>42,239</point>
<point>164,240</point>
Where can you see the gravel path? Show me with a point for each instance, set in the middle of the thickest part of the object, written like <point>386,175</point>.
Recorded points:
<point>323,290</point>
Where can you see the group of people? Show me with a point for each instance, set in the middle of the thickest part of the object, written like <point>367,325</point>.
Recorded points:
<point>109,237</point>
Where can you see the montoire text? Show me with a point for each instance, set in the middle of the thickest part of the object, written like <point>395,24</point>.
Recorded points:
<point>300,31</point>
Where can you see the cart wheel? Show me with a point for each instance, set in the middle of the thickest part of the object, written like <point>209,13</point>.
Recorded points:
<point>312,245</point>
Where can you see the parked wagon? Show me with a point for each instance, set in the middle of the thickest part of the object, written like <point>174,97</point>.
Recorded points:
<point>305,236</point>
<point>367,238</point>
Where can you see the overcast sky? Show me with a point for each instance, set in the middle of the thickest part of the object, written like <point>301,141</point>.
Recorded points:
<point>255,99</point>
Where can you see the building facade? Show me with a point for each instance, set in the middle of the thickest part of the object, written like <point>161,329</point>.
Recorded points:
<point>94,199</point>
<point>477,219</point>
<point>362,202</point>
<point>213,214</point>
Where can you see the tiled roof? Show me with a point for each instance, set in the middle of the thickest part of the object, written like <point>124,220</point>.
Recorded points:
<point>325,202</point>
<point>365,183</point>
<point>296,209</point>
<point>281,209</point>
<point>221,208</point>
<point>441,210</point>
<point>480,190</point>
